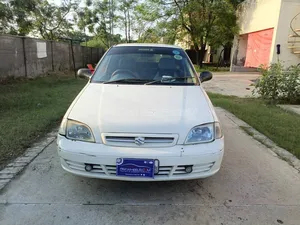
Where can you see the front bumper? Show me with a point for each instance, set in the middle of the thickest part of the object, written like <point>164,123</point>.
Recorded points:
<point>205,158</point>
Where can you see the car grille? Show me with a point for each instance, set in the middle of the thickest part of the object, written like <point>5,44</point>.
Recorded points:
<point>110,170</point>
<point>140,140</point>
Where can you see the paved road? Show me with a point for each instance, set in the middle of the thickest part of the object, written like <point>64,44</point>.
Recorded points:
<point>253,187</point>
<point>238,84</point>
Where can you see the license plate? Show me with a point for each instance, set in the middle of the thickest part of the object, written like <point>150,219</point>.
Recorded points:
<point>135,167</point>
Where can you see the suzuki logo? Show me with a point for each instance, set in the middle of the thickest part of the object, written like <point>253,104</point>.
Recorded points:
<point>139,140</point>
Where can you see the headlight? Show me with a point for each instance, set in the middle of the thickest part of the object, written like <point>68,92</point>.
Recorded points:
<point>204,133</point>
<point>63,126</point>
<point>218,131</point>
<point>76,131</point>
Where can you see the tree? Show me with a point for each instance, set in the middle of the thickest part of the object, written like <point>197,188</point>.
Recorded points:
<point>235,3</point>
<point>77,36</point>
<point>153,18</point>
<point>204,20</point>
<point>151,35</point>
<point>210,22</point>
<point>51,21</point>
<point>97,42</point>
<point>224,32</point>
<point>33,17</point>
<point>6,17</point>
<point>22,21</point>
<point>163,32</point>
<point>169,30</point>
<point>126,8</point>
<point>100,20</point>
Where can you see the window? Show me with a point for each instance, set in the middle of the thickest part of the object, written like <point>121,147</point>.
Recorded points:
<point>142,63</point>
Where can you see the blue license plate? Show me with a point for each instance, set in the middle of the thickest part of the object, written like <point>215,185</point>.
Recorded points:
<point>135,167</point>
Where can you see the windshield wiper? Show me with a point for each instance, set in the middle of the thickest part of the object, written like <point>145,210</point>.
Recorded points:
<point>168,80</point>
<point>127,81</point>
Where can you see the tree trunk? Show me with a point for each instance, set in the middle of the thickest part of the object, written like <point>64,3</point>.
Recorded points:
<point>198,57</point>
<point>200,50</point>
<point>202,54</point>
<point>125,24</point>
<point>197,53</point>
<point>129,26</point>
<point>220,57</point>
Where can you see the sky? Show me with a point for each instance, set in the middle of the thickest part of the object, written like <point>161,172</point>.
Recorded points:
<point>57,2</point>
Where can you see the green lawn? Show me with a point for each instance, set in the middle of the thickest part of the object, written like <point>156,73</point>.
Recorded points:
<point>31,108</point>
<point>279,125</point>
<point>211,69</point>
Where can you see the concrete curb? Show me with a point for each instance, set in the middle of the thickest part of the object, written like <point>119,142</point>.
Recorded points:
<point>291,108</point>
<point>280,152</point>
<point>19,164</point>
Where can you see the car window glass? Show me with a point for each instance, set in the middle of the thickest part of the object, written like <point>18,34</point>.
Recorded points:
<point>141,63</point>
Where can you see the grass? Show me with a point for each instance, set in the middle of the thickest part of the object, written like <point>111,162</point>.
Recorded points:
<point>279,125</point>
<point>249,130</point>
<point>31,108</point>
<point>211,69</point>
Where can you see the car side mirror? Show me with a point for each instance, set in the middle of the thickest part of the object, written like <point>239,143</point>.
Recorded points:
<point>84,73</point>
<point>205,76</point>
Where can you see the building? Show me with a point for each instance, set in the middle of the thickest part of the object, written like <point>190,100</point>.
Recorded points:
<point>269,32</point>
<point>212,56</point>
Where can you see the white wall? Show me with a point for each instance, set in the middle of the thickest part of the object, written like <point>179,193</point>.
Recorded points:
<point>253,16</point>
<point>184,42</point>
<point>241,57</point>
<point>289,9</point>
<point>256,15</point>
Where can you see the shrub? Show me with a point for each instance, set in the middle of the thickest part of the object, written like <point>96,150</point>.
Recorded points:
<point>278,84</point>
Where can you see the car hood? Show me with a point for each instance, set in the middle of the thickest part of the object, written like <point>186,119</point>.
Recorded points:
<point>154,109</point>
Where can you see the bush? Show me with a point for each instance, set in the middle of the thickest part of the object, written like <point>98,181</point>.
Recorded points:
<point>279,85</point>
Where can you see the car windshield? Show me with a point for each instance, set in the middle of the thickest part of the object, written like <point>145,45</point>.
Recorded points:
<point>145,65</point>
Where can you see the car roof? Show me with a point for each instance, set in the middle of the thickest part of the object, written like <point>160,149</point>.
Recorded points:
<point>147,45</point>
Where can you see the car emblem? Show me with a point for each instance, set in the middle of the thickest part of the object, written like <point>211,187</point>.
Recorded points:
<point>139,140</point>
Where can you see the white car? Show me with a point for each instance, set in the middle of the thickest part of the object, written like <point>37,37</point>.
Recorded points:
<point>142,116</point>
